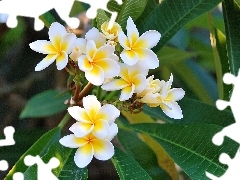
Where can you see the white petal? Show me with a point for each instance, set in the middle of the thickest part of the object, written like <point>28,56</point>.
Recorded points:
<point>149,56</point>
<point>91,49</point>
<point>140,83</point>
<point>84,64</point>
<point>104,52</point>
<point>127,93</point>
<point>170,81</point>
<point>103,149</point>
<point>113,132</point>
<point>62,61</point>
<point>91,102</point>
<point>110,67</point>
<point>116,84</point>
<point>95,76</point>
<point>123,40</point>
<point>109,113</point>
<point>81,129</point>
<point>79,114</point>
<point>83,156</point>
<point>132,31</point>
<point>96,36</point>
<point>49,59</point>
<point>129,57</point>
<point>56,30</point>
<point>148,39</point>
<point>151,99</point>
<point>101,129</point>
<point>81,44</point>
<point>43,46</point>
<point>68,42</point>
<point>176,94</point>
<point>138,68</point>
<point>70,141</point>
<point>172,110</point>
<point>114,57</point>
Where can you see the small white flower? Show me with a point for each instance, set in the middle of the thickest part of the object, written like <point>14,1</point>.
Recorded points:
<point>93,118</point>
<point>60,45</point>
<point>112,33</point>
<point>97,63</point>
<point>88,146</point>
<point>78,49</point>
<point>132,80</point>
<point>166,98</point>
<point>138,48</point>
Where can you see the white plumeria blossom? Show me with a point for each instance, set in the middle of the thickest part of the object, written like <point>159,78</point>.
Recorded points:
<point>112,33</point>
<point>78,49</point>
<point>132,80</point>
<point>60,45</point>
<point>97,63</point>
<point>89,146</point>
<point>93,118</point>
<point>96,36</point>
<point>138,48</point>
<point>166,98</point>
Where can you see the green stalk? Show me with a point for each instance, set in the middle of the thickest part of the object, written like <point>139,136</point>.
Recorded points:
<point>64,121</point>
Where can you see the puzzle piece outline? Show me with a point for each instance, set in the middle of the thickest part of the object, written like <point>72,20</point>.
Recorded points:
<point>39,7</point>
<point>8,141</point>
<point>229,131</point>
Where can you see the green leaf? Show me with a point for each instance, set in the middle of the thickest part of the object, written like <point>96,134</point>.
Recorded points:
<point>169,55</point>
<point>231,14</point>
<point>136,148</point>
<point>67,169</point>
<point>170,16</point>
<point>101,17</point>
<point>221,47</point>
<point>191,146</point>
<point>127,168</point>
<point>197,79</point>
<point>194,112</point>
<point>132,8</point>
<point>24,139</point>
<point>39,147</point>
<point>45,104</point>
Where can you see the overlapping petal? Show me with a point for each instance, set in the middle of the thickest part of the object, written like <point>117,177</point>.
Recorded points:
<point>110,67</point>
<point>139,82</point>
<point>62,60</point>
<point>43,46</point>
<point>56,31</point>
<point>116,84</point>
<point>113,130</point>
<point>84,64</point>
<point>49,59</point>
<point>129,57</point>
<point>81,129</point>
<point>79,114</point>
<point>132,31</point>
<point>176,94</point>
<point>72,141</point>
<point>103,149</point>
<point>95,76</point>
<point>148,39</point>
<point>101,129</point>
<point>104,114</point>
<point>68,42</point>
<point>96,36</point>
<point>84,155</point>
<point>127,93</point>
<point>172,109</point>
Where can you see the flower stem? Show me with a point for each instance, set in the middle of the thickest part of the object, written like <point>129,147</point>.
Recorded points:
<point>76,93</point>
<point>64,121</point>
<point>85,90</point>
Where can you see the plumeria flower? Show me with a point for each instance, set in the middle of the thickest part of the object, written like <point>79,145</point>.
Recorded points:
<point>60,45</point>
<point>93,118</point>
<point>138,48</point>
<point>153,86</point>
<point>97,63</point>
<point>112,33</point>
<point>166,98</point>
<point>132,80</point>
<point>96,36</point>
<point>89,146</point>
<point>78,49</point>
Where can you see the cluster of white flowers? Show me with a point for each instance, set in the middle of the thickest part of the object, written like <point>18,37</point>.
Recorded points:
<point>123,68</point>
<point>93,131</point>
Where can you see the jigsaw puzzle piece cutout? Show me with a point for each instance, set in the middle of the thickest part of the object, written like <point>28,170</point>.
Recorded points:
<point>44,170</point>
<point>96,4</point>
<point>34,9</point>
<point>3,165</point>
<point>8,133</point>
<point>232,172</point>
